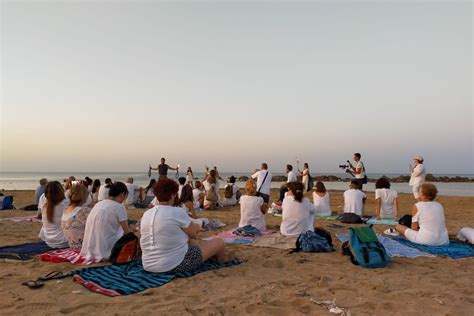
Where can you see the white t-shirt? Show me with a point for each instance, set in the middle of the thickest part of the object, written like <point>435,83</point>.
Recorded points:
<point>150,192</point>
<point>103,229</point>
<point>297,217</point>
<point>52,233</point>
<point>353,201</point>
<point>196,194</point>
<point>133,195</point>
<point>260,175</point>
<point>250,212</point>
<point>233,200</point>
<point>387,197</point>
<point>322,204</point>
<point>432,226</point>
<point>360,165</point>
<point>214,186</point>
<point>417,176</point>
<point>292,177</point>
<point>180,189</point>
<point>103,193</point>
<point>164,244</point>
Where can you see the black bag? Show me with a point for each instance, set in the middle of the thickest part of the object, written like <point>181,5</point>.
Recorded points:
<point>405,221</point>
<point>364,180</point>
<point>126,249</point>
<point>32,207</point>
<point>350,218</point>
<point>310,183</point>
<point>325,234</point>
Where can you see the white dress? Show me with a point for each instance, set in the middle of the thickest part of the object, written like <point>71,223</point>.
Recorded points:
<point>306,179</point>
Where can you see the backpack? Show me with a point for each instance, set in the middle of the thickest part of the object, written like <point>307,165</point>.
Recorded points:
<point>211,195</point>
<point>325,234</point>
<point>405,221</point>
<point>126,249</point>
<point>6,202</point>
<point>350,218</point>
<point>365,249</point>
<point>229,191</point>
<point>309,241</point>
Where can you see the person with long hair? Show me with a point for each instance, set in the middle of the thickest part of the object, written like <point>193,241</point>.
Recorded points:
<point>211,201</point>
<point>106,223</point>
<point>95,190</point>
<point>305,176</point>
<point>169,237</point>
<point>52,207</point>
<point>321,200</point>
<point>298,212</point>
<point>190,177</point>
<point>75,216</point>
<point>252,207</point>
<point>104,190</point>
<point>186,200</point>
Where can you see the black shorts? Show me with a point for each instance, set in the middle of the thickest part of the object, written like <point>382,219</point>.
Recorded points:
<point>192,261</point>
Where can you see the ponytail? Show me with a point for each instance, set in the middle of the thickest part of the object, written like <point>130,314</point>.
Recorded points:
<point>297,189</point>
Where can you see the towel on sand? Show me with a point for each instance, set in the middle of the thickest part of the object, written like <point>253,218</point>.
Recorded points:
<point>29,249</point>
<point>389,222</point>
<point>393,247</point>
<point>455,249</point>
<point>19,219</point>
<point>131,278</point>
<point>64,255</point>
<point>230,238</point>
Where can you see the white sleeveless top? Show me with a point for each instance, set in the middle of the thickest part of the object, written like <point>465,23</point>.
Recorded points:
<point>322,204</point>
<point>430,218</point>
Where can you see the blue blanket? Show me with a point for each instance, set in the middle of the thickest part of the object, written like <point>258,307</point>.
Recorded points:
<point>393,247</point>
<point>374,221</point>
<point>30,249</point>
<point>455,249</point>
<point>131,278</point>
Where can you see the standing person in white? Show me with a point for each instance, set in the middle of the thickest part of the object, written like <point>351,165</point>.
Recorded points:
<point>354,199</point>
<point>321,200</point>
<point>106,223</point>
<point>305,176</point>
<point>52,208</point>
<point>298,212</point>
<point>418,174</point>
<point>291,177</point>
<point>359,170</point>
<point>428,224</point>
<point>264,182</point>
<point>386,200</point>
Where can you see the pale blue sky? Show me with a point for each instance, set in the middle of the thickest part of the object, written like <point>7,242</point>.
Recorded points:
<point>113,86</point>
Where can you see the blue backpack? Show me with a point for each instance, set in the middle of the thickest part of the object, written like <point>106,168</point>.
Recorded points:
<point>309,241</point>
<point>365,248</point>
<point>7,203</point>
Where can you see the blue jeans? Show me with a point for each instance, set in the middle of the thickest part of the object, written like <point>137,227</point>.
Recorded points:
<point>265,197</point>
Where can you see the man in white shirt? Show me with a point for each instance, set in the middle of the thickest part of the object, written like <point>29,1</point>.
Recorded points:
<point>359,170</point>
<point>354,199</point>
<point>264,182</point>
<point>134,191</point>
<point>291,177</point>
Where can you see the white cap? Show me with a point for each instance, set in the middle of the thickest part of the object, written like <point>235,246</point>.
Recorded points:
<point>418,157</point>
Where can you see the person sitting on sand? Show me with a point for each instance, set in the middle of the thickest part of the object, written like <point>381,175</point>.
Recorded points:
<point>168,236</point>
<point>211,200</point>
<point>40,190</point>
<point>199,195</point>
<point>386,200</point>
<point>134,191</point>
<point>75,216</point>
<point>321,200</point>
<point>52,208</point>
<point>252,207</point>
<point>181,183</point>
<point>95,190</point>
<point>231,193</point>
<point>186,200</point>
<point>106,223</point>
<point>298,212</point>
<point>354,199</point>
<point>291,177</point>
<point>428,224</point>
<point>104,190</point>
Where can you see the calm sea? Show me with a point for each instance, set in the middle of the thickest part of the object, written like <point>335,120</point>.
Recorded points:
<point>29,180</point>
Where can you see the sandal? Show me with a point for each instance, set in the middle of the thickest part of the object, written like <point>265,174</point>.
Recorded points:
<point>55,275</point>
<point>33,284</point>
<point>391,232</point>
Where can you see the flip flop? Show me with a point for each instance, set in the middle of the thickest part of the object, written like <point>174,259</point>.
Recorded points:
<point>391,232</point>
<point>335,226</point>
<point>55,275</point>
<point>33,284</point>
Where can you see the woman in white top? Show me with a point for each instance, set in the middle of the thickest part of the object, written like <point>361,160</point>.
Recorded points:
<point>305,176</point>
<point>95,190</point>
<point>428,224</point>
<point>52,207</point>
<point>233,189</point>
<point>418,174</point>
<point>321,200</point>
<point>354,199</point>
<point>190,177</point>
<point>106,223</point>
<point>386,200</point>
<point>252,208</point>
<point>298,212</point>
<point>168,236</point>
<point>211,200</point>
<point>75,216</point>
<point>104,190</point>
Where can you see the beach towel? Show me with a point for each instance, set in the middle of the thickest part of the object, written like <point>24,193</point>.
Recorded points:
<point>64,255</point>
<point>131,278</point>
<point>277,241</point>
<point>393,247</point>
<point>19,219</point>
<point>23,252</point>
<point>389,222</point>
<point>455,249</point>
<point>328,218</point>
<point>247,231</point>
<point>214,224</point>
<point>230,238</point>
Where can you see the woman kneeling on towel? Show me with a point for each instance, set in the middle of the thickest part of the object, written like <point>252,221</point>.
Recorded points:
<point>168,236</point>
<point>428,225</point>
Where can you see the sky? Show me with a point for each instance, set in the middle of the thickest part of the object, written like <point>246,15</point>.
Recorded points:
<point>116,85</point>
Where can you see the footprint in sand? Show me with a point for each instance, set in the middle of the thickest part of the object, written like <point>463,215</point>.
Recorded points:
<point>274,263</point>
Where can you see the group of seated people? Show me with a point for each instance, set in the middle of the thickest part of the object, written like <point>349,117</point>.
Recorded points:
<point>169,229</point>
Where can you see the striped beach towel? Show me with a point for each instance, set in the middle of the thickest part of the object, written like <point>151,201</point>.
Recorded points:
<point>132,278</point>
<point>65,255</point>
